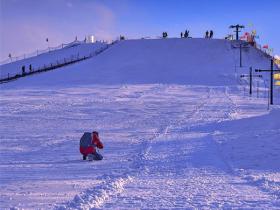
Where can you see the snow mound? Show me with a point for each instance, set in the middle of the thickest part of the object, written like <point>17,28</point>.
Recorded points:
<point>97,196</point>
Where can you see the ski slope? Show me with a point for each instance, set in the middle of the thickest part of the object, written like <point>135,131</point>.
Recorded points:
<point>171,61</point>
<point>71,51</point>
<point>188,140</point>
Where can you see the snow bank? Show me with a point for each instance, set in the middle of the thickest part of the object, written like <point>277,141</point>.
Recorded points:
<point>251,147</point>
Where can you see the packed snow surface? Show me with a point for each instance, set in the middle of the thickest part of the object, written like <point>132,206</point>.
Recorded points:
<point>170,142</point>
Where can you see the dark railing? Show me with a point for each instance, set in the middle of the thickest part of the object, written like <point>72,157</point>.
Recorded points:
<point>39,52</point>
<point>52,66</point>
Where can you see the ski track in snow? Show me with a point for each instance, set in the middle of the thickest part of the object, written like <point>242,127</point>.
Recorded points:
<point>97,196</point>
<point>196,181</point>
<point>157,156</point>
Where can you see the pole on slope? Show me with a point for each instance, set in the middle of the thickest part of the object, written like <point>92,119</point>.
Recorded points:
<point>250,75</point>
<point>257,89</point>
<point>240,54</point>
<point>271,70</point>
<point>250,80</point>
<point>271,81</point>
<point>241,45</point>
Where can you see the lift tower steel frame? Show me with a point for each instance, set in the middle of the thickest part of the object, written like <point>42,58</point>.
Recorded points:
<point>250,75</point>
<point>271,78</point>
<point>237,27</point>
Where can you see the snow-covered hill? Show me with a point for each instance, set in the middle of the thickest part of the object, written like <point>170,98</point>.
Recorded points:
<point>71,51</point>
<point>171,61</point>
<point>179,128</point>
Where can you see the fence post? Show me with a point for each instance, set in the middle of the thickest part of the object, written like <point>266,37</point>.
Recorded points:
<point>257,89</point>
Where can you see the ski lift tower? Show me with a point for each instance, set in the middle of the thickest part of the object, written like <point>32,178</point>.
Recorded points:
<point>237,27</point>
<point>271,71</point>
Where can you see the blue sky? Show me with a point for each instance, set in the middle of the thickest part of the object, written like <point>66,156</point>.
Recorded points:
<point>25,24</point>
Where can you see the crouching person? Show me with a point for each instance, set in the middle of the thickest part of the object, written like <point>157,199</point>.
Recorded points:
<point>88,144</point>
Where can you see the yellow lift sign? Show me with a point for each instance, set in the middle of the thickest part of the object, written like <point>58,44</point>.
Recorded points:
<point>276,76</point>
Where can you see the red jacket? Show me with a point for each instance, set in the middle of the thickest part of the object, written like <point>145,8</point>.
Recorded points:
<point>95,141</point>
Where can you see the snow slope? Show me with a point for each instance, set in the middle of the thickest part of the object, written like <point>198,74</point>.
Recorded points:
<point>172,139</point>
<point>167,146</point>
<point>69,52</point>
<point>178,61</point>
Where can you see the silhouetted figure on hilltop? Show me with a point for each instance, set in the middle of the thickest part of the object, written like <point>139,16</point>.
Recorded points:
<point>211,34</point>
<point>186,35</point>
<point>207,34</point>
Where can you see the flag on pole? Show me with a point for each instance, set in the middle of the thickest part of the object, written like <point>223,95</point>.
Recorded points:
<point>265,46</point>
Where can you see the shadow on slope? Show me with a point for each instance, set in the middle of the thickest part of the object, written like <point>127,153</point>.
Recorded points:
<point>251,143</point>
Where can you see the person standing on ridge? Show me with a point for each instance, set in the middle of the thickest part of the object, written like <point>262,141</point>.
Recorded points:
<point>186,35</point>
<point>211,34</point>
<point>207,34</point>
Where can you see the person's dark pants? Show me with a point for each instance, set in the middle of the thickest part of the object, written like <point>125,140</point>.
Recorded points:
<point>94,156</point>
<point>97,156</point>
